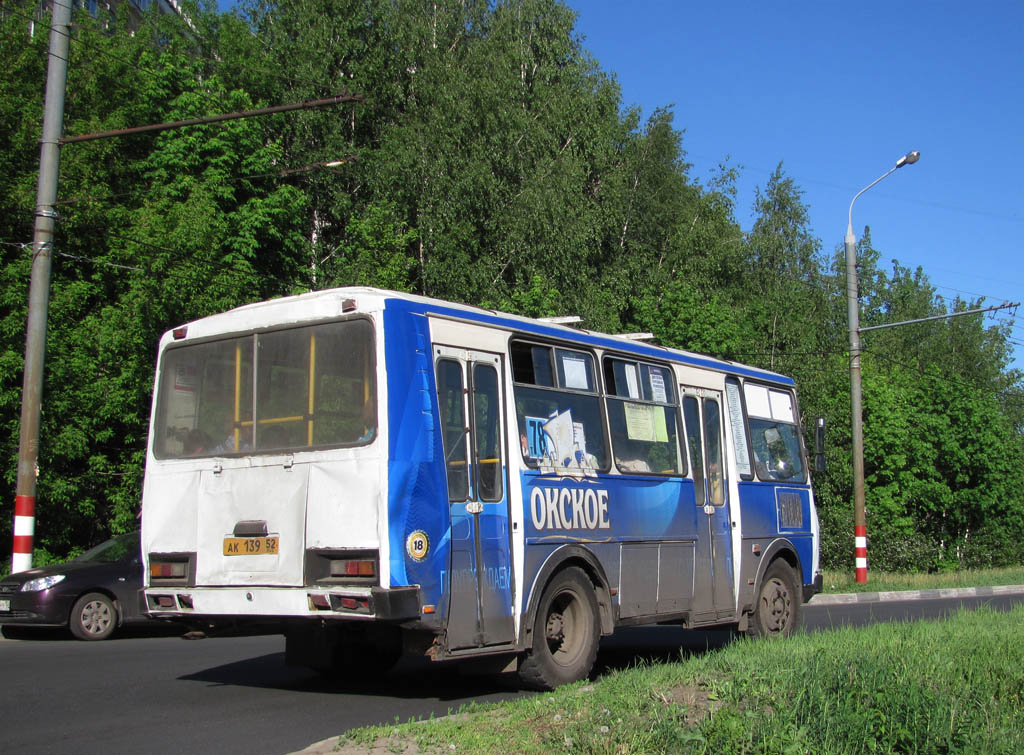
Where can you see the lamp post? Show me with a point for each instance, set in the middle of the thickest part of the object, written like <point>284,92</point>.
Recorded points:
<point>857,425</point>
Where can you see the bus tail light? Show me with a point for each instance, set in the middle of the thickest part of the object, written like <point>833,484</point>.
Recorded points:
<point>318,602</point>
<point>338,603</point>
<point>336,566</point>
<point>160,603</point>
<point>353,567</point>
<point>173,570</point>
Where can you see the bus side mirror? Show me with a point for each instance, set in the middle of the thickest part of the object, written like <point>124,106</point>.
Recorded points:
<point>819,446</point>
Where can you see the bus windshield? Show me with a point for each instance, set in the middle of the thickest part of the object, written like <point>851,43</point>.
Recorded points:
<point>284,390</point>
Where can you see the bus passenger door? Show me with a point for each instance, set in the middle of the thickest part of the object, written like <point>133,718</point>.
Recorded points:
<point>479,580</point>
<point>713,588</point>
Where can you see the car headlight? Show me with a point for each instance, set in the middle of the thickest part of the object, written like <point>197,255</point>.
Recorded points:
<point>42,583</point>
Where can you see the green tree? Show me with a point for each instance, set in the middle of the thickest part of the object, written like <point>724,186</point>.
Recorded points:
<point>154,230</point>
<point>941,473</point>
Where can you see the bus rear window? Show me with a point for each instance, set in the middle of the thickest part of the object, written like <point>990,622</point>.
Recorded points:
<point>285,390</point>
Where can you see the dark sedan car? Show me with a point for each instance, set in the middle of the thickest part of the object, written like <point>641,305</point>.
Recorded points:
<point>92,595</point>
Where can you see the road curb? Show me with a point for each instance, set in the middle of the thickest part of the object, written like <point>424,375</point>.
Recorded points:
<point>824,599</point>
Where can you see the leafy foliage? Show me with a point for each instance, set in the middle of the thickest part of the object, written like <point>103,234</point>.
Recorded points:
<point>491,161</point>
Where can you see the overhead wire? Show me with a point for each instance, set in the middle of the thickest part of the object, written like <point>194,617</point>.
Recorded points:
<point>1017,396</point>
<point>182,255</point>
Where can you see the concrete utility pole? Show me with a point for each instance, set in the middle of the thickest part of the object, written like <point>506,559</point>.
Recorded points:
<point>860,529</point>
<point>39,287</point>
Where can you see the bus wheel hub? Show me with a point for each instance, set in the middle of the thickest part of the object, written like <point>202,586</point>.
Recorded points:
<point>555,627</point>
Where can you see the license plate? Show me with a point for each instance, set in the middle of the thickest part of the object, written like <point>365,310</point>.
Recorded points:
<point>5,605</point>
<point>250,546</point>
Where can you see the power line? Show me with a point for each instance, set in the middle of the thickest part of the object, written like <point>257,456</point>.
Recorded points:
<point>1016,396</point>
<point>98,262</point>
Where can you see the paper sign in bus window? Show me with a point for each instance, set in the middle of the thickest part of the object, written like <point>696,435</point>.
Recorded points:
<point>645,422</point>
<point>559,431</point>
<point>536,446</point>
<point>658,392</point>
<point>632,384</point>
<point>576,374</point>
<point>559,445</point>
<point>185,377</point>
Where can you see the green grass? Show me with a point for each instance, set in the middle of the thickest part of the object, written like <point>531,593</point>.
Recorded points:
<point>841,582</point>
<point>948,686</point>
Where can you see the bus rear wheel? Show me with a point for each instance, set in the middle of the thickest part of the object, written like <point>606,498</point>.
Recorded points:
<point>566,633</point>
<point>777,610</point>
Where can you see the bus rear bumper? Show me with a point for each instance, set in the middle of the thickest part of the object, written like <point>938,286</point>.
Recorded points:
<point>365,603</point>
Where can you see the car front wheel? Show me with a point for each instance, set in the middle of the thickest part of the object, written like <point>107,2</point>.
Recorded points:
<point>94,617</point>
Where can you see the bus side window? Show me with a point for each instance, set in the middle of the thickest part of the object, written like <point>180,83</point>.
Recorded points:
<point>487,428</point>
<point>691,416</point>
<point>556,385</point>
<point>713,443</point>
<point>453,427</point>
<point>642,416</point>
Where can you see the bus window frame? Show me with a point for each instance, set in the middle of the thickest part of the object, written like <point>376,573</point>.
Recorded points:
<point>804,478</point>
<point>159,418</point>
<point>552,345</point>
<point>672,386</point>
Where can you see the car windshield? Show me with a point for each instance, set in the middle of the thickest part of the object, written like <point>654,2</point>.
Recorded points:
<point>118,548</point>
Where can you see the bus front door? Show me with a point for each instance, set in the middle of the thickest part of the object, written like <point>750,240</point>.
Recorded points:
<point>713,590</point>
<point>479,579</point>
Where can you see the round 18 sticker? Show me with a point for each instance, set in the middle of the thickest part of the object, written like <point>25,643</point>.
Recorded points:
<point>417,545</point>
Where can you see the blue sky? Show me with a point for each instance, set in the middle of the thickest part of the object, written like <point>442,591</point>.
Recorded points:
<point>838,92</point>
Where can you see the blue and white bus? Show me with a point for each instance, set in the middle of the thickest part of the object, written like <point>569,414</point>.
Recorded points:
<point>374,473</point>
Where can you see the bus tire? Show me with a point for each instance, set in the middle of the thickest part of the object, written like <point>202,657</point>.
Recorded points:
<point>776,611</point>
<point>566,633</point>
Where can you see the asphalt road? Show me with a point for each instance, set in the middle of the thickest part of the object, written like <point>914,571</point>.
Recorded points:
<point>236,695</point>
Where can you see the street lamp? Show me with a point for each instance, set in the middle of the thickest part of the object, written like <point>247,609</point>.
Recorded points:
<point>857,425</point>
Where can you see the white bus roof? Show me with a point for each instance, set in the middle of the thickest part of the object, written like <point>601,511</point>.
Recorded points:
<point>330,303</point>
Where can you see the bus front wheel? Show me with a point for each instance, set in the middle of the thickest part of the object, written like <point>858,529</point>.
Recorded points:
<point>777,609</point>
<point>566,632</point>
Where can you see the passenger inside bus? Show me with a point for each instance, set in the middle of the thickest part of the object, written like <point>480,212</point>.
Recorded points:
<point>234,437</point>
<point>369,419</point>
<point>195,442</point>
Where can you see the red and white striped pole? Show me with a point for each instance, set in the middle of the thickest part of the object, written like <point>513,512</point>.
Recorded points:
<point>861,552</point>
<point>39,288</point>
<point>24,530</point>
